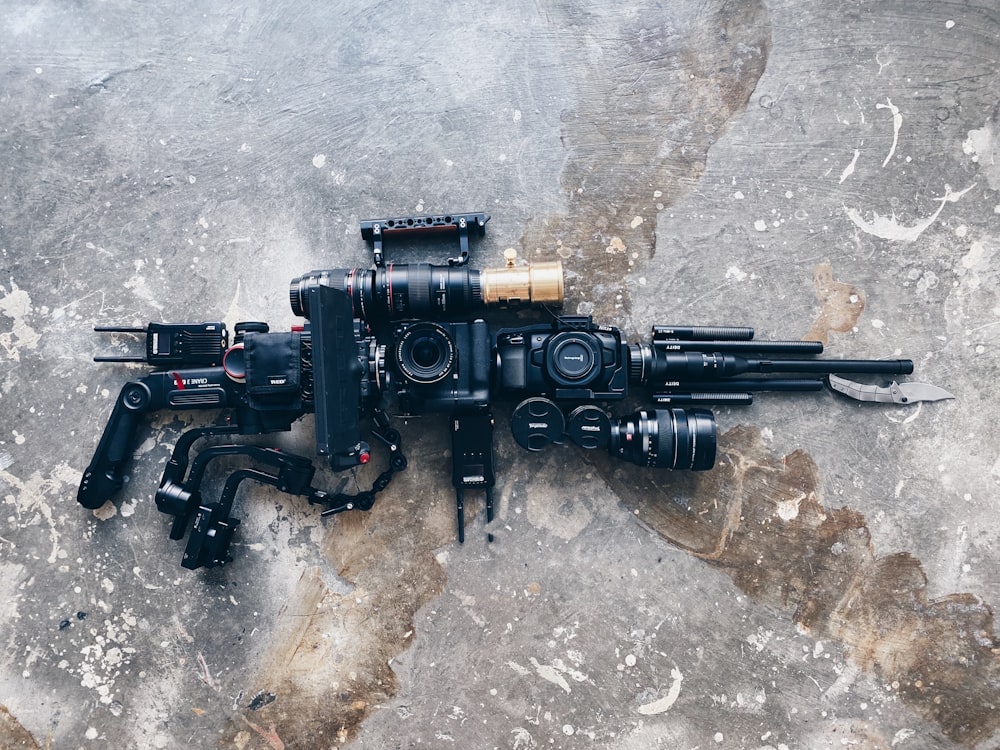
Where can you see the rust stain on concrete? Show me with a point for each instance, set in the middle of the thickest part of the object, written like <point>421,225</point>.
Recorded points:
<point>13,736</point>
<point>329,663</point>
<point>841,305</point>
<point>762,518</point>
<point>662,90</point>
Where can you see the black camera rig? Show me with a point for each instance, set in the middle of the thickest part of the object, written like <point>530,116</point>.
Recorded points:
<point>402,334</point>
<point>266,381</point>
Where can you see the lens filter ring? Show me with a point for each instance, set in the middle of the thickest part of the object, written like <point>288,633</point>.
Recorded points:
<point>425,353</point>
<point>688,437</point>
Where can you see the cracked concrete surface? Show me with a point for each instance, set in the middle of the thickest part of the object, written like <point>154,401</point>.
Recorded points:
<point>822,171</point>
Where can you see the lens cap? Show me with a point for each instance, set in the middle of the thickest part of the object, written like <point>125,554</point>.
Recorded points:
<point>573,358</point>
<point>536,422</point>
<point>589,427</point>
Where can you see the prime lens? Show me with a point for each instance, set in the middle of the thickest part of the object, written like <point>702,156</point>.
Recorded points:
<point>425,353</point>
<point>682,439</point>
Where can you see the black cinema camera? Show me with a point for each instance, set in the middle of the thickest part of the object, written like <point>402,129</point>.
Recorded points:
<point>571,360</point>
<point>567,367</point>
<point>438,366</point>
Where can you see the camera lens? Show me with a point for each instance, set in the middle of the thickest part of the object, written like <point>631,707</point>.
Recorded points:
<point>573,359</point>
<point>421,290</point>
<point>668,439</point>
<point>425,353</point>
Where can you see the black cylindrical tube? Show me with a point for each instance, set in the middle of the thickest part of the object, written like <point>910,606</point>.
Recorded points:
<point>703,333</point>
<point>826,366</point>
<point>651,365</point>
<point>746,384</point>
<point>411,290</point>
<point>703,398</point>
<point>737,347</point>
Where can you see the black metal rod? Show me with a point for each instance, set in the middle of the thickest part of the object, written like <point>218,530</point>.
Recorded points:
<point>826,366</point>
<point>733,347</point>
<point>652,366</point>
<point>746,384</point>
<point>703,398</point>
<point>703,333</point>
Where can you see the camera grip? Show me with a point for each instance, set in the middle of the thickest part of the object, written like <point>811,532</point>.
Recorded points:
<point>105,474</point>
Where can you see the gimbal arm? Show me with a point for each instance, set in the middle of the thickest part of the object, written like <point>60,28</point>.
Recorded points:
<point>201,388</point>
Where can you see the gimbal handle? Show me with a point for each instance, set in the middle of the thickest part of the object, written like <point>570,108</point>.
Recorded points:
<point>202,388</point>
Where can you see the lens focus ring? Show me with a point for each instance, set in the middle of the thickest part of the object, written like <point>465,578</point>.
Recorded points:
<point>683,439</point>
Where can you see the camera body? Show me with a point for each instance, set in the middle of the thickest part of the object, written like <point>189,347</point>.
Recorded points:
<point>570,360</point>
<point>439,366</point>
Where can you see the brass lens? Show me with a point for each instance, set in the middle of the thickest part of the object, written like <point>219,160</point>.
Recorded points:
<point>535,283</point>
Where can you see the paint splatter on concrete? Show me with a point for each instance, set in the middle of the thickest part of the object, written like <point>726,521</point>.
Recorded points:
<point>889,227</point>
<point>664,704</point>
<point>29,499</point>
<point>981,144</point>
<point>16,305</point>
<point>897,123</point>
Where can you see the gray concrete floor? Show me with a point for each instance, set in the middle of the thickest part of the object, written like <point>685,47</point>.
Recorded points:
<point>822,169</point>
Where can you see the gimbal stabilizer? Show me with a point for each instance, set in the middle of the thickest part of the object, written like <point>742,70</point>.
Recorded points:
<point>267,381</point>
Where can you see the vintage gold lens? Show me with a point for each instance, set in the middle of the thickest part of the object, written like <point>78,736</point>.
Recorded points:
<point>536,283</point>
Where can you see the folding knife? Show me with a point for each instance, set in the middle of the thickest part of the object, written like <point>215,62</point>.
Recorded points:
<point>894,393</point>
